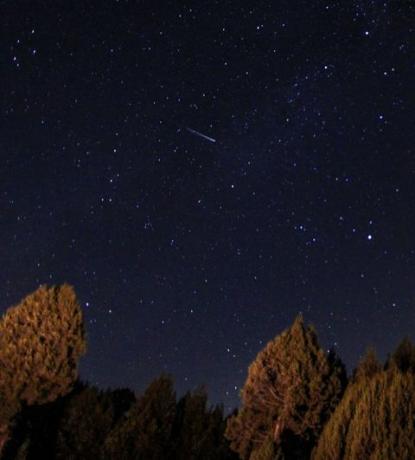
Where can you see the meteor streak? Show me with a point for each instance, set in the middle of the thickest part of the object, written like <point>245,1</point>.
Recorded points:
<point>203,136</point>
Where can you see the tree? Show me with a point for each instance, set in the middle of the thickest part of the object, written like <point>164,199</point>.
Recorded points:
<point>73,426</point>
<point>144,433</point>
<point>198,430</point>
<point>35,429</point>
<point>87,420</point>
<point>41,341</point>
<point>403,357</point>
<point>190,427</point>
<point>292,388</point>
<point>368,366</point>
<point>375,420</point>
<point>267,451</point>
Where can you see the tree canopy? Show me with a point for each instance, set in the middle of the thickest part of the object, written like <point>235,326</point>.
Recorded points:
<point>375,420</point>
<point>293,385</point>
<point>295,402</point>
<point>41,341</point>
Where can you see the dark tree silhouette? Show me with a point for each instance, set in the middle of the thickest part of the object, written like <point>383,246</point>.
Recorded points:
<point>198,430</point>
<point>145,431</point>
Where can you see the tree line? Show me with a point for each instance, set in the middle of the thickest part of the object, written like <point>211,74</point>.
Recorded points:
<point>297,402</point>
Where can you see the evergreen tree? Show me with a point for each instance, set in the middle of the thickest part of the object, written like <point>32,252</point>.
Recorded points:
<point>35,430</point>
<point>87,420</point>
<point>292,388</point>
<point>144,433</point>
<point>198,430</point>
<point>403,357</point>
<point>41,341</point>
<point>190,425</point>
<point>74,426</point>
<point>221,449</point>
<point>267,451</point>
<point>368,366</point>
<point>375,420</point>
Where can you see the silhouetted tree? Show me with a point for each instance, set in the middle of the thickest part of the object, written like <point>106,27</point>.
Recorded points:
<point>292,388</point>
<point>403,357</point>
<point>145,431</point>
<point>41,341</point>
<point>74,426</point>
<point>198,431</point>
<point>87,420</point>
<point>35,430</point>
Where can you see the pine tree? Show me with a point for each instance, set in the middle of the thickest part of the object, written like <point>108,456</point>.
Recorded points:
<point>35,429</point>
<point>74,426</point>
<point>291,389</point>
<point>190,425</point>
<point>41,341</point>
<point>145,432</point>
<point>375,420</point>
<point>403,357</point>
<point>267,451</point>
<point>86,421</point>
<point>198,430</point>
<point>368,366</point>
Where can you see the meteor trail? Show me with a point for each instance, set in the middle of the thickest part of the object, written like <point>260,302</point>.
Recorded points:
<point>203,136</point>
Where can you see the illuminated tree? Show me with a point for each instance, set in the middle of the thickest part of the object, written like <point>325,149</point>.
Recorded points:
<point>368,366</point>
<point>41,341</point>
<point>375,420</point>
<point>267,451</point>
<point>292,388</point>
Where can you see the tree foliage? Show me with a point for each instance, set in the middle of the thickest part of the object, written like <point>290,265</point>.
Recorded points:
<point>41,341</point>
<point>294,405</point>
<point>267,451</point>
<point>145,432</point>
<point>375,420</point>
<point>198,430</point>
<point>87,419</point>
<point>403,358</point>
<point>291,389</point>
<point>73,426</point>
<point>368,366</point>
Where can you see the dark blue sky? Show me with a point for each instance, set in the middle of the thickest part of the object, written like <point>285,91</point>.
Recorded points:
<point>189,255</point>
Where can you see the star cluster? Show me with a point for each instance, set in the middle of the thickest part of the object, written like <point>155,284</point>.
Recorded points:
<point>189,255</point>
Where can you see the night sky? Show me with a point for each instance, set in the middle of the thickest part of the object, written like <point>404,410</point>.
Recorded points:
<point>189,253</point>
